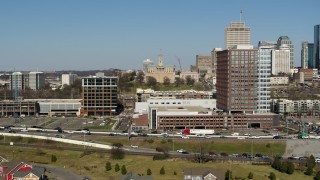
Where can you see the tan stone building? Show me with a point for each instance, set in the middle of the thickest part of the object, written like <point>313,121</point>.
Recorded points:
<point>159,71</point>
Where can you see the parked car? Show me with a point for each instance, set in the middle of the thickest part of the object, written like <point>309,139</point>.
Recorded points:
<point>181,151</point>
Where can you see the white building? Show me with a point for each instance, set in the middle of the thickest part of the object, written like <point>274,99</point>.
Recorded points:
<point>17,79</point>
<point>193,75</point>
<point>236,34</point>
<point>68,79</point>
<point>36,80</point>
<point>281,60</point>
<point>298,106</point>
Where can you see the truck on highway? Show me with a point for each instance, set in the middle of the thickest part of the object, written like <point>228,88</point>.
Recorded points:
<point>198,132</point>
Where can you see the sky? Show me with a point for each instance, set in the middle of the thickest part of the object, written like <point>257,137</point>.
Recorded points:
<point>103,34</point>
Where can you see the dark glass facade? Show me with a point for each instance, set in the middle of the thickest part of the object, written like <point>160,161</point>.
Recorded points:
<point>316,47</point>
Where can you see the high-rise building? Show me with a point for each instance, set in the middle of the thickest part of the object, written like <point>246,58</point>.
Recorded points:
<point>214,60</point>
<point>99,95</point>
<point>304,55</point>
<point>17,79</point>
<point>281,60</point>
<point>237,79</point>
<point>311,62</point>
<point>236,34</point>
<point>307,55</point>
<point>36,80</point>
<point>285,40</point>
<point>264,78</point>
<point>68,79</point>
<point>316,47</point>
<point>204,65</point>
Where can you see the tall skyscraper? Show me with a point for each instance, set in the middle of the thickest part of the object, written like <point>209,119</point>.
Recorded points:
<point>237,79</point>
<point>316,46</point>
<point>99,95</point>
<point>286,40</point>
<point>236,34</point>
<point>311,62</point>
<point>263,80</point>
<point>304,55</point>
<point>281,60</point>
<point>36,80</point>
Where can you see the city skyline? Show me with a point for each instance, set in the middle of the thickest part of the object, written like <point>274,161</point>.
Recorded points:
<point>80,35</point>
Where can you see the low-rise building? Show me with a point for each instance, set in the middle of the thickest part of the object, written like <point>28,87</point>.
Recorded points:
<point>286,106</point>
<point>202,173</point>
<point>279,81</point>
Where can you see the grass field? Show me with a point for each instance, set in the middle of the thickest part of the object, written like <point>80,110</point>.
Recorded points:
<point>217,145</point>
<point>93,164</point>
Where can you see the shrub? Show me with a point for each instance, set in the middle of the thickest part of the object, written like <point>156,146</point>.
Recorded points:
<point>117,168</point>
<point>276,164</point>
<point>290,169</point>
<point>150,141</point>
<point>284,167</point>
<point>272,176</point>
<point>123,170</point>
<point>53,158</point>
<point>169,140</point>
<point>228,175</point>
<point>162,171</point>
<point>117,145</point>
<point>108,166</point>
<point>117,153</point>
<point>163,141</point>
<point>174,173</point>
<point>85,153</point>
<point>250,175</point>
<point>317,177</point>
<point>149,172</point>
<point>87,168</point>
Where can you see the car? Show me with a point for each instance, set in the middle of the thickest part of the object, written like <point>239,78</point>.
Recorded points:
<point>181,151</point>
<point>134,146</point>
<point>59,136</point>
<point>24,130</point>
<point>317,161</point>
<point>185,137</point>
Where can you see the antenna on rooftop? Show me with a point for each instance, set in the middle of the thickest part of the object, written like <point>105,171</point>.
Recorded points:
<point>240,14</point>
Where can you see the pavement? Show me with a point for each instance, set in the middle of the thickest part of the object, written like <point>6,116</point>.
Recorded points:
<point>60,173</point>
<point>302,147</point>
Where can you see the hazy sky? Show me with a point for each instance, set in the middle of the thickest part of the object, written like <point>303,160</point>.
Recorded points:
<point>102,34</point>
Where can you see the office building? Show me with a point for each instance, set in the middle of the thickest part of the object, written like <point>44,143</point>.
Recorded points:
<point>99,95</point>
<point>237,79</point>
<point>68,79</point>
<point>236,34</point>
<point>204,65</point>
<point>307,55</point>
<point>264,79</point>
<point>285,40</point>
<point>17,79</point>
<point>214,60</point>
<point>281,60</point>
<point>316,47</point>
<point>36,80</point>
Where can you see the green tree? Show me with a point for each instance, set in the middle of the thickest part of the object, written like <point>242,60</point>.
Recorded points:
<point>117,168</point>
<point>189,80</point>
<point>162,171</point>
<point>272,176</point>
<point>310,165</point>
<point>276,164</point>
<point>290,169</point>
<point>149,172</point>
<point>284,167</point>
<point>250,175</point>
<point>123,170</point>
<point>166,81</point>
<point>53,158</point>
<point>108,166</point>
<point>117,153</point>
<point>151,81</point>
<point>228,175</point>
<point>317,177</point>
<point>140,77</point>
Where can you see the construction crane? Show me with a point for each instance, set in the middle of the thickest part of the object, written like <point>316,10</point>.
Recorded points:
<point>179,62</point>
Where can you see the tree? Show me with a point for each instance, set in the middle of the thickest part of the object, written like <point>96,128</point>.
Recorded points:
<point>118,145</point>
<point>250,175</point>
<point>284,167</point>
<point>198,86</point>
<point>272,176</point>
<point>290,169</point>
<point>310,165</point>
<point>53,158</point>
<point>189,80</point>
<point>228,175</point>
<point>149,172</point>
<point>123,170</point>
<point>117,153</point>
<point>166,81</point>
<point>108,166</point>
<point>140,77</point>
<point>117,168</point>
<point>151,81</point>
<point>317,177</point>
<point>162,171</point>
<point>276,164</point>
<point>174,173</point>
